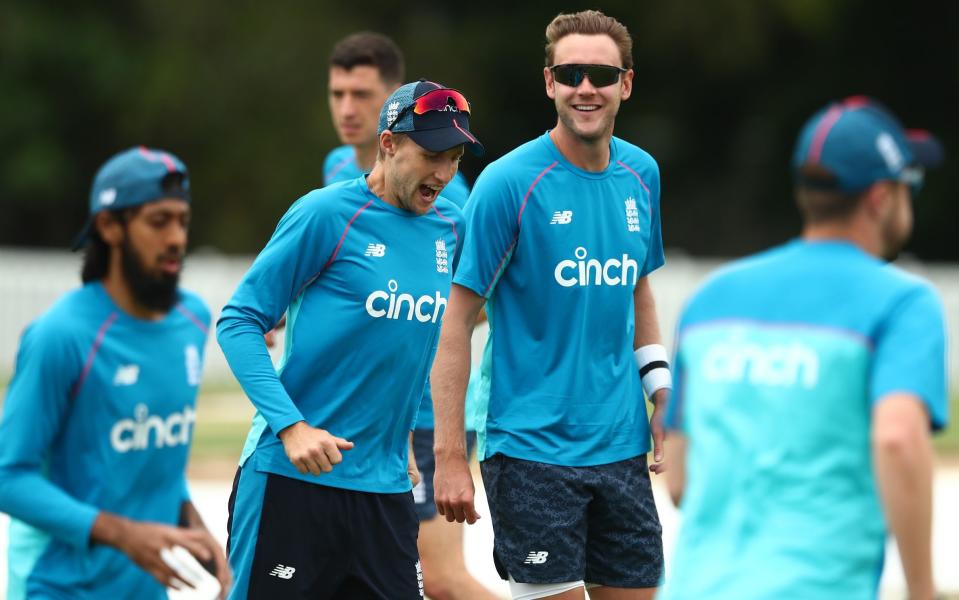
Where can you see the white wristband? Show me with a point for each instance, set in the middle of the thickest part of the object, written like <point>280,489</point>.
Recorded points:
<point>653,365</point>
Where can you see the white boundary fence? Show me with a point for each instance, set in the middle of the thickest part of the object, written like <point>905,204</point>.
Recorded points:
<point>31,280</point>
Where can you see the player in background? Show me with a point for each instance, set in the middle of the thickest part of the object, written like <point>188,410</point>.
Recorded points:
<point>564,231</point>
<point>809,377</point>
<point>99,415</point>
<point>322,504</point>
<point>364,69</point>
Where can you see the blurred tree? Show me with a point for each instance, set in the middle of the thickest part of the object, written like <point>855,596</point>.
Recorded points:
<point>238,90</point>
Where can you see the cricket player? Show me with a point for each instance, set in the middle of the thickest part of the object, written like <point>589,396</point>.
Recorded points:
<point>809,378</point>
<point>364,69</point>
<point>564,232</point>
<point>322,505</point>
<point>98,418</point>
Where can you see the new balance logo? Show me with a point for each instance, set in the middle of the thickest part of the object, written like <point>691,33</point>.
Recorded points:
<point>562,217</point>
<point>536,558</point>
<point>377,250</point>
<point>127,375</point>
<point>283,572</point>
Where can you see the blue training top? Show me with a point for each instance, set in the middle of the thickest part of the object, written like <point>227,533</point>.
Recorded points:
<point>557,251</point>
<point>781,358</point>
<point>99,416</point>
<point>364,285</point>
<point>340,165</point>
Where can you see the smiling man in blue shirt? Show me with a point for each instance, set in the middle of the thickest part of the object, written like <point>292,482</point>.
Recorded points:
<point>564,231</point>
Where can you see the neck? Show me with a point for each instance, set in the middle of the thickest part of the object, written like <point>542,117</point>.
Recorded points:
<point>379,185</point>
<point>119,291</point>
<point>589,155</point>
<point>366,155</point>
<point>844,231</point>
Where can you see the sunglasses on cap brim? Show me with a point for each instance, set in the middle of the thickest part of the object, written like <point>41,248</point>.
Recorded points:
<point>439,100</point>
<point>598,75</point>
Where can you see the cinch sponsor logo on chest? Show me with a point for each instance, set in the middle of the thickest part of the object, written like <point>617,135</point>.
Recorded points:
<point>136,433</point>
<point>591,271</point>
<point>400,306</point>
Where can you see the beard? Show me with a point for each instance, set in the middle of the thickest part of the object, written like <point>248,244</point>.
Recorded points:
<point>155,292</point>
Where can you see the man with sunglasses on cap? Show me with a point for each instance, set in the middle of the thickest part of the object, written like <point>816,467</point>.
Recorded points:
<point>809,377</point>
<point>322,508</point>
<point>564,231</point>
<point>99,415</point>
<point>364,69</point>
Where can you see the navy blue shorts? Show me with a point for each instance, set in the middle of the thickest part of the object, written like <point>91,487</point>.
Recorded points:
<point>294,540</point>
<point>554,524</point>
<point>426,462</point>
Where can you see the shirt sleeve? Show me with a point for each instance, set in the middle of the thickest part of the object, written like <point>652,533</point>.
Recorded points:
<point>910,354</point>
<point>297,253</point>
<point>655,258</point>
<point>492,218</point>
<point>457,190</point>
<point>36,406</point>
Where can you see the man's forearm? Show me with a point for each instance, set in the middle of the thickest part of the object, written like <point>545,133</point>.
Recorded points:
<point>904,468</point>
<point>449,380</point>
<point>646,320</point>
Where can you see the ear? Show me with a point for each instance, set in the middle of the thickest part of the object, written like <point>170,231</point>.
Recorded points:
<point>626,85</point>
<point>877,200</point>
<point>550,83</point>
<point>109,227</point>
<point>387,143</point>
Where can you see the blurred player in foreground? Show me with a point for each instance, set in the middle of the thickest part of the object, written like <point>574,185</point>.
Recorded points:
<point>808,379</point>
<point>365,68</point>
<point>564,231</point>
<point>99,415</point>
<point>322,504</point>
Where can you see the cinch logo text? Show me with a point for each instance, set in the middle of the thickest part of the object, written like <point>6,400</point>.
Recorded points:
<point>134,434</point>
<point>425,309</point>
<point>782,365</point>
<point>583,272</point>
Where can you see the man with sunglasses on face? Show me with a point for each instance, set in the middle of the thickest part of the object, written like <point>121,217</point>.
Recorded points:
<point>99,415</point>
<point>808,380</point>
<point>564,231</point>
<point>322,507</point>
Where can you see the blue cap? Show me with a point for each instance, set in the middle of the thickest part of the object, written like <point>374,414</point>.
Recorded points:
<point>436,130</point>
<point>859,142</point>
<point>131,178</point>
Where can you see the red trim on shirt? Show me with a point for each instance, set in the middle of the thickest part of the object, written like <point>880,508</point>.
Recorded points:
<point>335,250</point>
<point>522,207</point>
<point>450,221</point>
<point>93,352</point>
<point>196,320</point>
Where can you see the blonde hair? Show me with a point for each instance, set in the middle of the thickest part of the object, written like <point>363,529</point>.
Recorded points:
<point>589,22</point>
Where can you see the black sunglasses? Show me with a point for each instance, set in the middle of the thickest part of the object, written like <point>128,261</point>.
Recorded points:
<point>599,75</point>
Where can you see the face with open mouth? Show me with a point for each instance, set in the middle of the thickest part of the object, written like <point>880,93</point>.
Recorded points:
<point>417,175</point>
<point>588,111</point>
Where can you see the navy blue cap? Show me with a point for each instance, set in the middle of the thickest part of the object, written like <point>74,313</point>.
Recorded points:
<point>130,178</point>
<point>436,130</point>
<point>860,142</point>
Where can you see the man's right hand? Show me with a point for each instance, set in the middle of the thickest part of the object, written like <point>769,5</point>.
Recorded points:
<point>312,450</point>
<point>142,542</point>
<point>453,490</point>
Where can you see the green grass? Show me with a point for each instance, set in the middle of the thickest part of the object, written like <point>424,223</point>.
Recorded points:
<point>947,442</point>
<point>214,440</point>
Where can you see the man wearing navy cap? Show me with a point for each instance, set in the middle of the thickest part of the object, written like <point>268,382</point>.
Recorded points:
<point>809,378</point>
<point>98,417</point>
<point>322,504</point>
